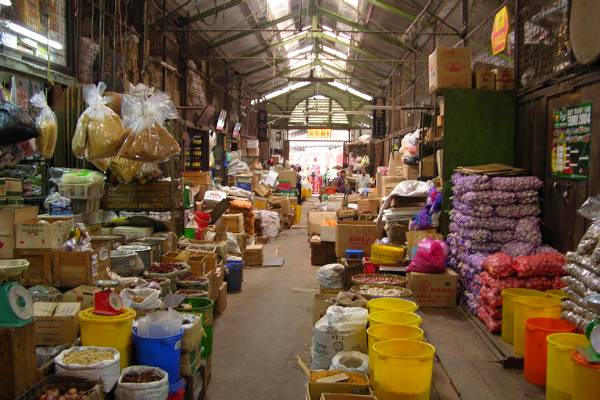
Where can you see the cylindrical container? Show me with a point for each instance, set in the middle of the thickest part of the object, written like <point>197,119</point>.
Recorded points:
<point>143,251</point>
<point>395,317</point>
<point>298,214</point>
<point>108,331</point>
<point>391,303</point>
<point>379,333</point>
<point>157,246</point>
<point>559,373</point>
<point>177,390</point>
<point>536,348</point>
<point>586,377</point>
<point>205,307</point>
<point>235,275</point>
<point>508,316</point>
<point>125,263</point>
<point>403,369</point>
<point>531,307</point>
<point>161,352</point>
<point>556,293</point>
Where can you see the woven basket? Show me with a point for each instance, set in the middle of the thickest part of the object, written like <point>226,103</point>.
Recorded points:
<point>394,280</point>
<point>90,390</point>
<point>361,290</point>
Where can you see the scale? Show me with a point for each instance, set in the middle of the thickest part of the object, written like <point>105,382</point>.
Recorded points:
<point>16,304</point>
<point>592,331</point>
<point>106,301</point>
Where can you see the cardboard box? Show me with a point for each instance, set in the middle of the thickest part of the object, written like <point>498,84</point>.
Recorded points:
<point>9,216</point>
<point>213,290</point>
<point>74,268</point>
<point>252,152</point>
<point>289,176</point>
<point>434,290</point>
<point>315,218</point>
<point>13,187</point>
<point>262,190</point>
<point>233,222</point>
<point>192,333</point>
<point>322,253</point>
<point>450,68</point>
<point>321,302</point>
<point>39,234</point>
<point>83,294</point>
<point>368,205</point>
<point>485,79</point>
<point>198,178</point>
<point>427,166</point>
<point>410,172</point>
<point>254,255</point>
<point>505,79</point>
<point>280,202</point>
<point>222,299</point>
<point>56,323</point>
<point>314,390</point>
<point>357,235</point>
<point>328,233</point>
<point>190,362</point>
<point>41,266</point>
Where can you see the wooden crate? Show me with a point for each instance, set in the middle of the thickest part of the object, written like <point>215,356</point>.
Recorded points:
<point>74,268</point>
<point>17,361</point>
<point>40,271</point>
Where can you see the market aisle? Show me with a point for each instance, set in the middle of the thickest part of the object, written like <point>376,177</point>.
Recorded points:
<point>265,326</point>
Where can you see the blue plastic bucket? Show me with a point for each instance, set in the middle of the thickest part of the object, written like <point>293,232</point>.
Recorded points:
<point>235,275</point>
<point>354,254</point>
<point>177,390</point>
<point>163,352</point>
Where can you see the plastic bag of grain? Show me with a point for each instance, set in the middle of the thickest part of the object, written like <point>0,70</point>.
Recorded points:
<point>90,362</point>
<point>140,382</point>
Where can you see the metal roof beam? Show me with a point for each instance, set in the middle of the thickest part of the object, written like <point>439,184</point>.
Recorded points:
<point>275,44</point>
<point>393,9</point>
<point>262,25</point>
<point>279,74</point>
<point>212,11</point>
<point>311,88</point>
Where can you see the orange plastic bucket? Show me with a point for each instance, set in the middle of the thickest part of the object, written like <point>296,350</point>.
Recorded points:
<point>536,347</point>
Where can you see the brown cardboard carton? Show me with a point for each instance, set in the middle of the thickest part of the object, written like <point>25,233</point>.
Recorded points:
<point>222,299</point>
<point>289,176</point>
<point>427,166</point>
<point>315,218</point>
<point>253,255</point>
<point>434,290</point>
<point>82,294</point>
<point>233,222</point>
<point>56,323</point>
<point>314,390</point>
<point>450,68</point>
<point>262,190</point>
<point>9,216</point>
<point>368,205</point>
<point>485,79</point>
<point>39,234</point>
<point>505,79</point>
<point>410,172</point>
<point>192,334</point>
<point>358,235</point>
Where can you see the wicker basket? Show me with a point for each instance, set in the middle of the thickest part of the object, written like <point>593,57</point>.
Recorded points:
<point>394,280</point>
<point>90,390</point>
<point>155,195</point>
<point>172,276</point>
<point>361,290</point>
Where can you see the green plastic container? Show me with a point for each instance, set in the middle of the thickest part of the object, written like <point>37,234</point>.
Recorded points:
<point>205,307</point>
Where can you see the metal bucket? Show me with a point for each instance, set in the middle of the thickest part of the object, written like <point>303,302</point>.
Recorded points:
<point>143,251</point>
<point>157,245</point>
<point>126,263</point>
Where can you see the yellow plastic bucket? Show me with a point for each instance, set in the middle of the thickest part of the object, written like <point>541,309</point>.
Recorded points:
<point>403,369</point>
<point>297,214</point>
<point>389,303</point>
<point>395,317</point>
<point>559,375</point>
<point>508,317</point>
<point>378,333</point>
<point>531,307</point>
<point>556,293</point>
<point>586,377</point>
<point>108,331</point>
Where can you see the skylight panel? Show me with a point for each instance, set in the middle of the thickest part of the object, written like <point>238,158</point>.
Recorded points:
<point>349,89</point>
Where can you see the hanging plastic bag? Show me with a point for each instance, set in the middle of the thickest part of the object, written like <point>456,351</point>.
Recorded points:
<point>124,169</point>
<point>45,122</point>
<point>430,257</point>
<point>102,163</point>
<point>149,140</point>
<point>99,132</point>
<point>160,324</point>
<point>16,125</point>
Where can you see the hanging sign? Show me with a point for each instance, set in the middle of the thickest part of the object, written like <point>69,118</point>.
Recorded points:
<point>500,31</point>
<point>572,141</point>
<point>261,125</point>
<point>221,121</point>
<point>236,130</point>
<point>319,133</point>
<point>379,129</point>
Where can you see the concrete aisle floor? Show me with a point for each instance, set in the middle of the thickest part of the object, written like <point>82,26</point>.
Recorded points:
<point>265,326</point>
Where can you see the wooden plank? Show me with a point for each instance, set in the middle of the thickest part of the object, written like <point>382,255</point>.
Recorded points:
<point>17,360</point>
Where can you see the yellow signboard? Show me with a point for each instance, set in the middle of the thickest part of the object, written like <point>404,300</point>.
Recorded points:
<point>500,31</point>
<point>319,133</point>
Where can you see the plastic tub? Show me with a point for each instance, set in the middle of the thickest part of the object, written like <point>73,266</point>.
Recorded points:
<point>391,303</point>
<point>531,307</point>
<point>394,317</point>
<point>536,348</point>
<point>402,369</point>
<point>205,307</point>
<point>556,294</point>
<point>559,374</point>
<point>508,297</point>
<point>108,331</point>
<point>161,352</point>
<point>124,263</point>
<point>586,377</point>
<point>235,275</point>
<point>379,333</point>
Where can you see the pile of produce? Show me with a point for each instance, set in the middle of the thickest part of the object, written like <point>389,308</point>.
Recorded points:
<point>496,215</point>
<point>55,394</point>
<point>141,377</point>
<point>88,356</point>
<point>380,279</point>
<point>164,267</point>
<point>381,291</point>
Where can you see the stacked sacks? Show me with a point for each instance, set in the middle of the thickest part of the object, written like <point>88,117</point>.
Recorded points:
<point>583,279</point>
<point>538,271</point>
<point>491,215</point>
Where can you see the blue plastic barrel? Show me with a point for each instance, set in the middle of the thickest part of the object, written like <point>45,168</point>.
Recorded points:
<point>162,352</point>
<point>235,275</point>
<point>354,254</point>
<point>177,390</point>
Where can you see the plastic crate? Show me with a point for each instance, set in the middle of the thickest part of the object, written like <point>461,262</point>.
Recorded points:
<point>81,190</point>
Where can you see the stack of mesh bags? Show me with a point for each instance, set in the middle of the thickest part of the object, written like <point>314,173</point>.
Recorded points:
<point>541,271</point>
<point>583,279</point>
<point>490,215</point>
